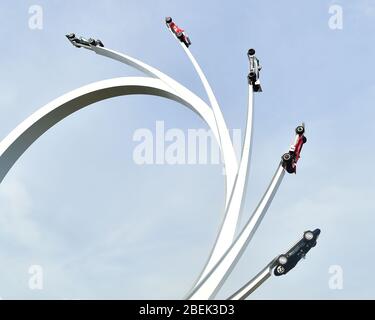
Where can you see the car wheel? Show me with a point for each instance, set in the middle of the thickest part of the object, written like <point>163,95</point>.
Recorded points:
<point>304,139</point>
<point>286,157</point>
<point>168,19</point>
<point>256,88</point>
<point>308,235</point>
<point>280,269</point>
<point>251,52</point>
<point>300,130</point>
<point>290,170</point>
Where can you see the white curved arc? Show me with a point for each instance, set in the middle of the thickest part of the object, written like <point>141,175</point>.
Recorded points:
<point>214,280</point>
<point>231,165</point>
<point>233,212</point>
<point>146,69</point>
<point>28,131</point>
<point>229,154</point>
<point>234,189</point>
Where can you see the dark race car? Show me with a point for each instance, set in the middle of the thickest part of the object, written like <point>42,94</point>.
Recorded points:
<point>82,42</point>
<point>289,260</point>
<point>178,32</point>
<point>290,159</point>
<point>255,67</point>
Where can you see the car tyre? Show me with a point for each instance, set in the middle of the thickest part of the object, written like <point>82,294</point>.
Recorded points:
<point>279,270</point>
<point>251,52</point>
<point>286,157</point>
<point>300,130</point>
<point>168,20</point>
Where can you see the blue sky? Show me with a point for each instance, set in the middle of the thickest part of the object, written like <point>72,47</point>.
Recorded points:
<point>104,227</point>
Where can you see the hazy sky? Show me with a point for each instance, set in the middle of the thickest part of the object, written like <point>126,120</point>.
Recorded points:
<point>102,226</point>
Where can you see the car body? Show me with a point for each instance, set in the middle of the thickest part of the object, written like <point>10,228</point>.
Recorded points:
<point>82,42</point>
<point>290,159</point>
<point>177,31</point>
<point>255,67</point>
<point>286,262</point>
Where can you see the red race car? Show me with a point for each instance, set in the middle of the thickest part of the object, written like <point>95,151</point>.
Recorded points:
<point>290,159</point>
<point>179,33</point>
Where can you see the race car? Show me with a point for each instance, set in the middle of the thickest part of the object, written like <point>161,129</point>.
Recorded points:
<point>290,159</point>
<point>255,67</point>
<point>82,42</point>
<point>178,32</point>
<point>289,260</point>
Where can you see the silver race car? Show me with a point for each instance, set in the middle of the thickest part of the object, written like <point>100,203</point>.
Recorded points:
<point>255,67</point>
<point>82,42</point>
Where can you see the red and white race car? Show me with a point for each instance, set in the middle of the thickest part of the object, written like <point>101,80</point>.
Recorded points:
<point>179,33</point>
<point>290,159</point>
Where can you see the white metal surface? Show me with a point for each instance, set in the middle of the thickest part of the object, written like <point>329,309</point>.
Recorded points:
<point>227,146</point>
<point>236,175</point>
<point>254,283</point>
<point>214,280</point>
<point>225,253</point>
<point>235,188</point>
<point>17,141</point>
<point>233,212</point>
<point>229,155</point>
